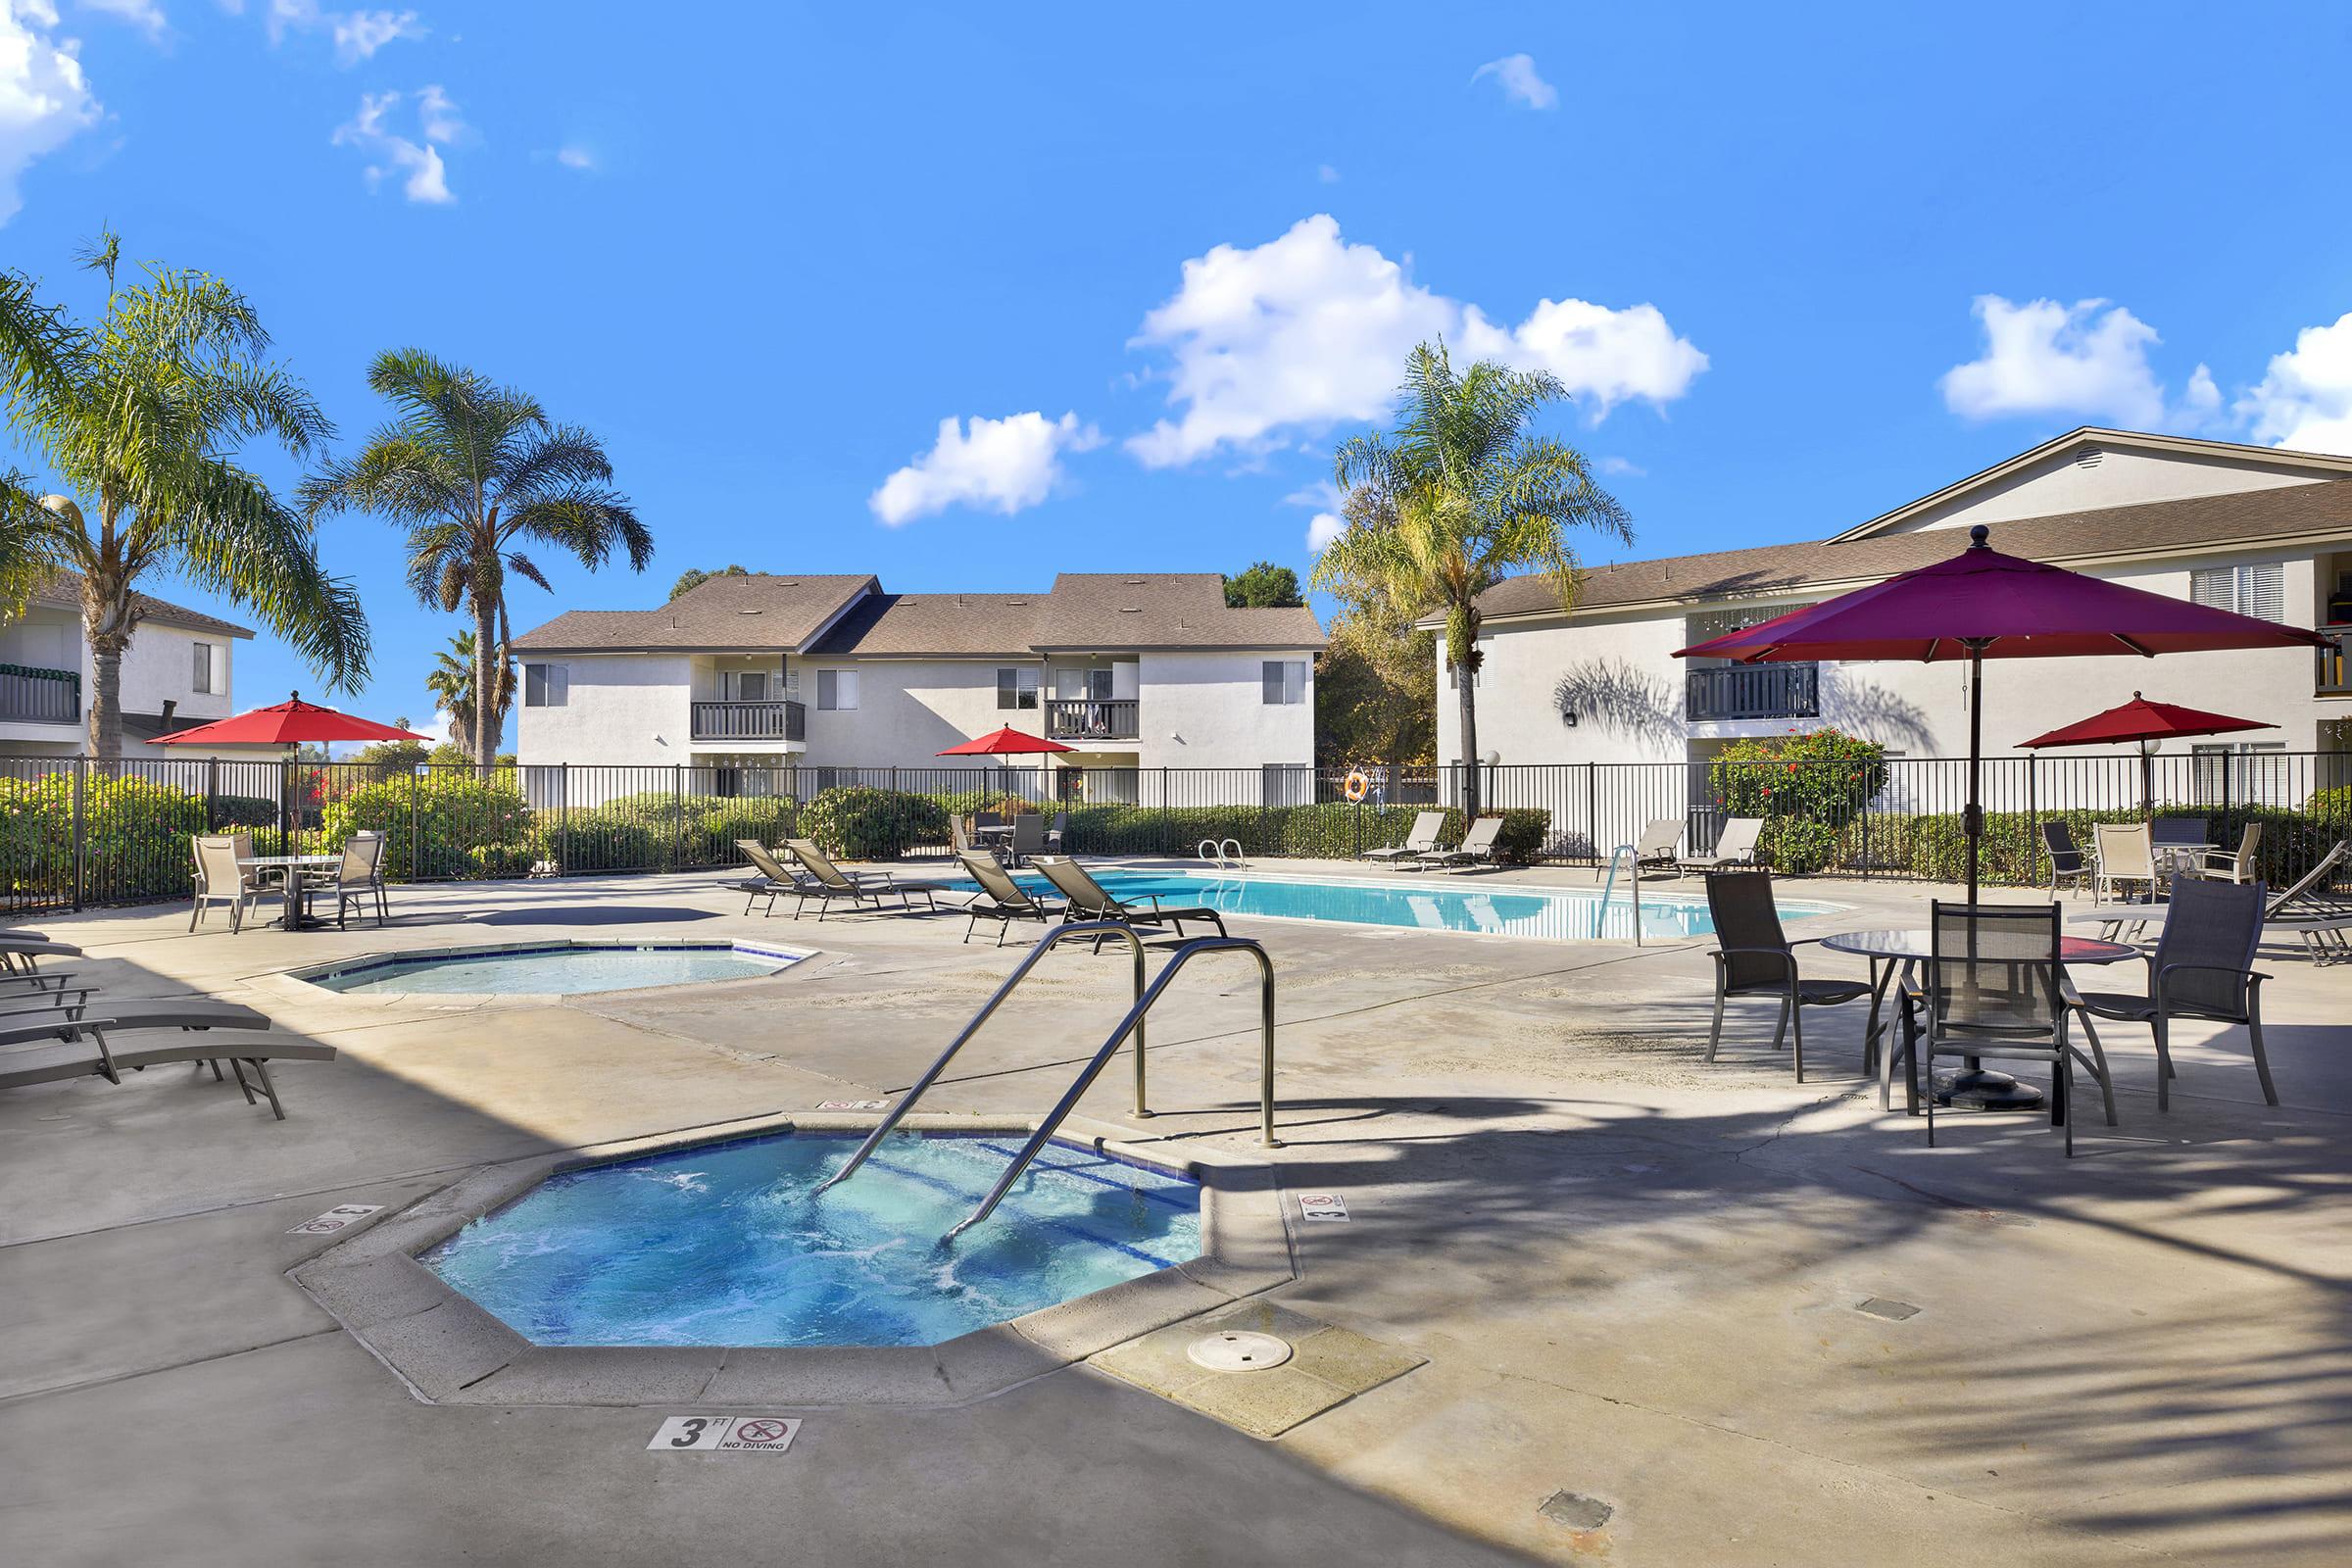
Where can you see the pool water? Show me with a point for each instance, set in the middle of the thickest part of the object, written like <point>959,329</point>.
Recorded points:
<point>1434,902</point>
<point>728,1243</point>
<point>561,968</point>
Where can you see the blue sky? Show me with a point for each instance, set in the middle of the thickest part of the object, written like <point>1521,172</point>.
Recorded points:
<point>1799,264</point>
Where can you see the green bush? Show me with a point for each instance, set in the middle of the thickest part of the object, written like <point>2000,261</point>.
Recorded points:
<point>459,822</point>
<point>858,822</point>
<point>231,811</point>
<point>1826,777</point>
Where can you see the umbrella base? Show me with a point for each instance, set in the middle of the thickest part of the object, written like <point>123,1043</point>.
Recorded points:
<point>1982,1089</point>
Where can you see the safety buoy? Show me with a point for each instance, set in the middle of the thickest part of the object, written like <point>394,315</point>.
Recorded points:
<point>1357,785</point>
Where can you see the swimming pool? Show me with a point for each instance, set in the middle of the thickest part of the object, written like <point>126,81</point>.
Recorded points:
<point>729,1245</point>
<point>1433,903</point>
<point>560,969</point>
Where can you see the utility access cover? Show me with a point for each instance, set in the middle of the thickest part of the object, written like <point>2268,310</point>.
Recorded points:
<point>1239,1351</point>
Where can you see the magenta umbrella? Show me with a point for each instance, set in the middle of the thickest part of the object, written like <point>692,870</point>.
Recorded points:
<point>1982,605</point>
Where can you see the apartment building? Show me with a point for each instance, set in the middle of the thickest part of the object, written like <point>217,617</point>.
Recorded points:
<point>176,674</point>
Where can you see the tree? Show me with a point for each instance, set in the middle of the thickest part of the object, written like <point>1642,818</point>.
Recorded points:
<point>390,758</point>
<point>694,577</point>
<point>470,470</point>
<point>1460,496</point>
<point>451,683</point>
<point>141,426</point>
<point>1264,586</point>
<point>1376,694</point>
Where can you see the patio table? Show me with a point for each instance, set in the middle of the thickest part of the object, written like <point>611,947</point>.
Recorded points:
<point>1905,950</point>
<point>289,868</point>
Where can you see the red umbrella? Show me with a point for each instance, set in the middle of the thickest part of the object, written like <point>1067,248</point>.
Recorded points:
<point>1982,605</point>
<point>288,724</point>
<point>1007,742</point>
<point>2142,720</point>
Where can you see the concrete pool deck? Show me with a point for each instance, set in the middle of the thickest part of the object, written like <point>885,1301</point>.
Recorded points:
<point>1663,1308</point>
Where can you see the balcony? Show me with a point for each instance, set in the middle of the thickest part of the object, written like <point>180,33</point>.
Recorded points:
<point>2334,677</point>
<point>1751,691</point>
<point>784,721</point>
<point>33,696</point>
<point>1112,718</point>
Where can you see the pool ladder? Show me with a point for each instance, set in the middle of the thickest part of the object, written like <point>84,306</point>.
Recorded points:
<point>1623,852</point>
<point>1132,1024</point>
<point>1213,851</point>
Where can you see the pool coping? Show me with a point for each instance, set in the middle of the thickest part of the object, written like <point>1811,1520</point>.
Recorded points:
<point>447,1349</point>
<point>301,980</point>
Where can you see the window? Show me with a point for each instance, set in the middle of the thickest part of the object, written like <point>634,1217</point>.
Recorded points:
<point>836,689</point>
<point>2258,590</point>
<point>1284,681</point>
<point>2248,773</point>
<point>206,659</point>
<point>1082,685</point>
<point>1017,687</point>
<point>545,685</point>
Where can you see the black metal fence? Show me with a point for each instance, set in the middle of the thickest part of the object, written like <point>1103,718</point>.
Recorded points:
<point>76,833</point>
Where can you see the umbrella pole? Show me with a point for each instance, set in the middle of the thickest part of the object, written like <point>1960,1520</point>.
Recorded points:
<point>1972,823</point>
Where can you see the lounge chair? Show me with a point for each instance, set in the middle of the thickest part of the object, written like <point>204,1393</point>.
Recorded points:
<point>35,1054</point>
<point>2066,860</point>
<point>829,884</point>
<point>1475,849</point>
<point>1656,846</point>
<point>20,963</point>
<point>2234,865</point>
<point>2203,967</point>
<point>1003,900</point>
<point>2318,920</point>
<point>1736,844</point>
<point>961,840</point>
<point>2125,854</point>
<point>1994,990</point>
<point>1422,840</point>
<point>1089,900</point>
<point>771,881</point>
<point>1756,959</point>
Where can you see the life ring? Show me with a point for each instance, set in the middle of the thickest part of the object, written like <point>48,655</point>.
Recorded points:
<point>1357,786</point>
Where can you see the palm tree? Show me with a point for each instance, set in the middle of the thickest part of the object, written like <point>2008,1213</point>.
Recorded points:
<point>1460,496</point>
<point>451,684</point>
<point>141,424</point>
<point>471,468</point>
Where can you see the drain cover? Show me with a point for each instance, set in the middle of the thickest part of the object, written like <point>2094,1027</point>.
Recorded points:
<point>1239,1351</point>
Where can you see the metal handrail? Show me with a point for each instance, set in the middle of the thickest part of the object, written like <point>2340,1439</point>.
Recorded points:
<point>1609,886</point>
<point>1133,1024</point>
<point>1046,944</point>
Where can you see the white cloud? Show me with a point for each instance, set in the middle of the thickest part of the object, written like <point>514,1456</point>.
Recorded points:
<point>2304,399</point>
<point>1306,331</point>
<point>1323,529</point>
<point>574,156</point>
<point>1520,83</point>
<point>1619,468</point>
<point>1001,465</point>
<point>423,176</point>
<point>355,35</point>
<point>44,98</point>
<point>1326,174</point>
<point>2088,359</point>
<point>145,15</point>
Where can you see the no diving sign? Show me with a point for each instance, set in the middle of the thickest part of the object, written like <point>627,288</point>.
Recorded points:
<point>334,1219</point>
<point>727,1434</point>
<point>1329,1207</point>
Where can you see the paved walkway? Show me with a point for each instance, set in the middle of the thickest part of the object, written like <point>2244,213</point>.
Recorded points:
<point>1635,1276</point>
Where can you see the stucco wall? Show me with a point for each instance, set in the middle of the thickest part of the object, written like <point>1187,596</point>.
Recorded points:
<point>624,709</point>
<point>2120,478</point>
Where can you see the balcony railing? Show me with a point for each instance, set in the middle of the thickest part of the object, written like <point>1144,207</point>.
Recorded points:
<point>1751,691</point>
<point>1112,718</point>
<point>2335,675</point>
<point>784,721</point>
<point>33,696</point>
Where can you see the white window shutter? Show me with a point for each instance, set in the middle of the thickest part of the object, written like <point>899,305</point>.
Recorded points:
<point>2262,591</point>
<point>2215,587</point>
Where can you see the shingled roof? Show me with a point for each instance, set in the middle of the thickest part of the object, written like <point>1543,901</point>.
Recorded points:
<point>2238,520</point>
<point>753,614</point>
<point>1096,610</point>
<point>937,625</point>
<point>62,591</point>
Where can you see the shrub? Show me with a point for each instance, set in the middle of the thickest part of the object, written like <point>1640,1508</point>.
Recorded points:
<point>1828,777</point>
<point>461,822</point>
<point>858,822</point>
<point>243,810</point>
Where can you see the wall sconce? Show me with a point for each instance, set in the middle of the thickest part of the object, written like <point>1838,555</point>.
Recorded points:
<point>1568,718</point>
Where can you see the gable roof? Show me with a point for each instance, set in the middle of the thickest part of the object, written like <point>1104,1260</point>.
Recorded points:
<point>62,591</point>
<point>2319,464</point>
<point>758,612</point>
<point>2235,520</point>
<point>1099,611</point>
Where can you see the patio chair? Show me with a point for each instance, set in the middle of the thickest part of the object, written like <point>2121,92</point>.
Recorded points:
<point>1756,959</point>
<point>2124,854</point>
<point>770,879</point>
<point>1422,840</point>
<point>2234,865</point>
<point>1736,844</point>
<point>43,1052</point>
<point>223,876</point>
<point>1055,833</point>
<point>1475,849</point>
<point>1088,899</point>
<point>358,878</point>
<point>829,885</point>
<point>2202,968</point>
<point>1655,847</point>
<point>2066,860</point>
<point>1003,900</point>
<point>1993,989</point>
<point>960,841</point>
<point>1028,836</point>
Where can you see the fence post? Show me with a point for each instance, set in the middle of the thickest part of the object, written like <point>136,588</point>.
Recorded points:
<point>562,819</point>
<point>1592,813</point>
<point>415,846</point>
<point>81,776</point>
<point>677,813</point>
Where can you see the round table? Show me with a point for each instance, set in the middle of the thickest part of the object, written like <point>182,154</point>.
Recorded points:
<point>290,869</point>
<point>1906,950</point>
